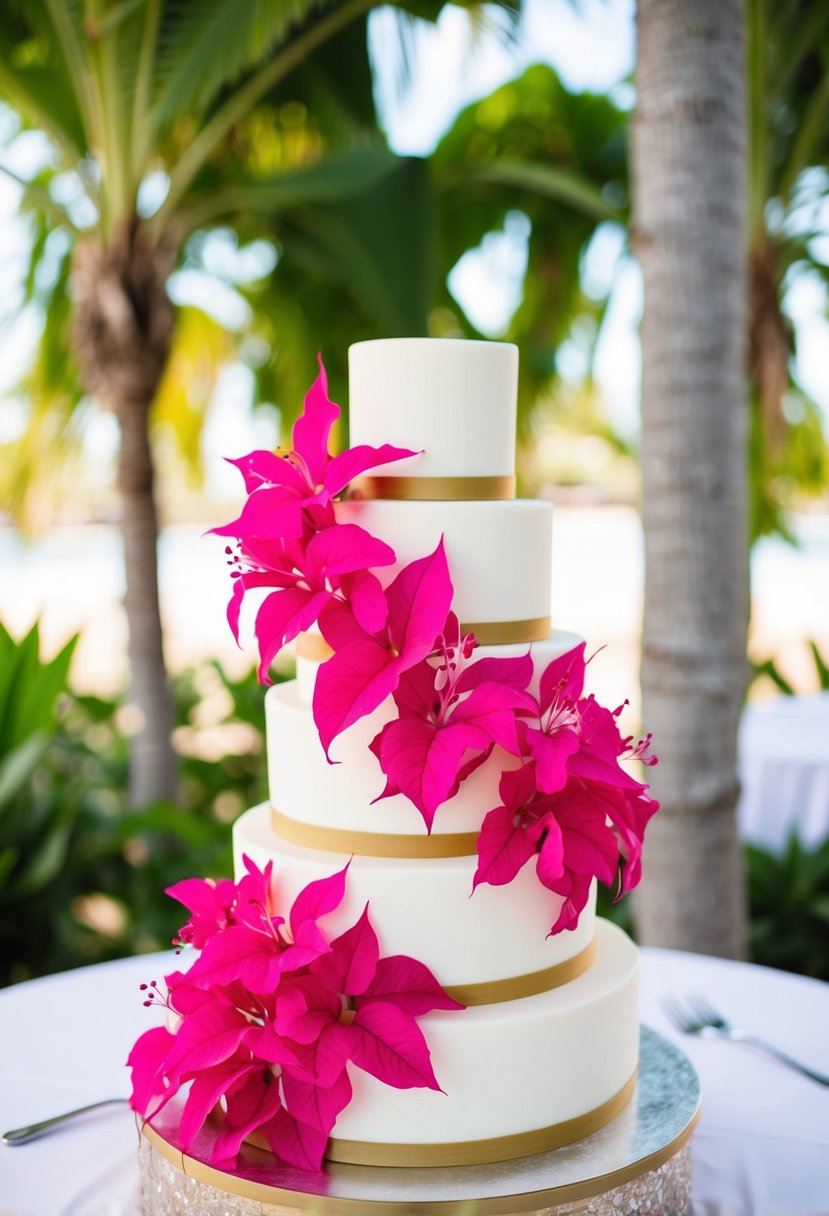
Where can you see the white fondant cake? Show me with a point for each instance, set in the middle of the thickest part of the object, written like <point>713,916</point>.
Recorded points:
<point>547,1048</point>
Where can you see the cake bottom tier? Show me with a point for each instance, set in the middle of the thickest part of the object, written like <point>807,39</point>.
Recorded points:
<point>518,1078</point>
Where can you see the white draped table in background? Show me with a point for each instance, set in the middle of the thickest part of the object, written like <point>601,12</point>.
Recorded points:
<point>784,771</point>
<point>761,1148</point>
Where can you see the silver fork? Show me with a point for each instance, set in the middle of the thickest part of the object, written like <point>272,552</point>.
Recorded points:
<point>696,1016</point>
<point>21,1135</point>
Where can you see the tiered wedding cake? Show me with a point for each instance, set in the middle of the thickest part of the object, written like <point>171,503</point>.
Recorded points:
<point>546,1049</point>
<point>407,968</point>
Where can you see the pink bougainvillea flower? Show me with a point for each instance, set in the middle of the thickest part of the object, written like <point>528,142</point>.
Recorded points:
<point>280,484</point>
<point>556,737</point>
<point>450,716</point>
<point>288,540</point>
<point>272,1014</point>
<point>307,575</point>
<point>571,804</point>
<point>366,668</point>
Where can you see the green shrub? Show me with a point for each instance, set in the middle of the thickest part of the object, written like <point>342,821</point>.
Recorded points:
<point>789,907</point>
<point>82,875</point>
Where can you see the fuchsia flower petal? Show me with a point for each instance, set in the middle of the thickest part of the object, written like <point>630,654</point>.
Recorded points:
<point>266,514</point>
<point>327,1057</point>
<point>550,862</point>
<point>351,685</point>
<point>575,888</point>
<point>320,897</point>
<point>266,468</point>
<point>601,746</point>
<point>491,708</point>
<point>563,677</point>
<point>253,899</point>
<point>183,995</point>
<point>366,598</point>
<point>387,1042</point>
<point>339,626</point>
<point>304,1007</point>
<point>308,945</point>
<point>344,548</point>
<point>317,1105</point>
<point>234,607</point>
<point>408,984</point>
<point>350,965</point>
<point>514,673</point>
<point>294,1141</point>
<point>313,427</point>
<point>148,1060</point>
<point>421,760</point>
<point>355,461</point>
<point>242,953</point>
<point>205,1091</point>
<point>208,1036</point>
<point>419,601</point>
<point>551,754</point>
<point>415,695</point>
<point>282,616</point>
<point>503,848</point>
<point>250,1105</point>
<point>210,904</point>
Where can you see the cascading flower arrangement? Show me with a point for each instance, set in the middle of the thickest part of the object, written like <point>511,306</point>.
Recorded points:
<point>566,797</point>
<point>266,1019</point>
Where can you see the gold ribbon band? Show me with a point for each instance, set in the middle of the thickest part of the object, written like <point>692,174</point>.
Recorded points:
<point>475,1152</point>
<point>493,992</point>
<point>313,646</point>
<point>373,844</point>
<point>437,489</point>
<point>502,633</point>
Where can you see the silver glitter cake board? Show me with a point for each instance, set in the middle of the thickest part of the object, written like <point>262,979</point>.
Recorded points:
<point>641,1160</point>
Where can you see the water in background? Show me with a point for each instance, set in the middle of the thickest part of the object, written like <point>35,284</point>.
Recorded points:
<point>72,580</point>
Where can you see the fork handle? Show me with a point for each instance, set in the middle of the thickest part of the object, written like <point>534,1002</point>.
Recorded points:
<point>745,1036</point>
<point>20,1135</point>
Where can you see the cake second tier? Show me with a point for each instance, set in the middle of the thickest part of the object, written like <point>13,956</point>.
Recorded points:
<point>499,555</point>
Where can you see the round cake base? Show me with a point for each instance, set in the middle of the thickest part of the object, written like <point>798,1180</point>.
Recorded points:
<point>640,1162</point>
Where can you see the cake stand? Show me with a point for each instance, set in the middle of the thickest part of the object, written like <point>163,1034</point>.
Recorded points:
<point>638,1163</point>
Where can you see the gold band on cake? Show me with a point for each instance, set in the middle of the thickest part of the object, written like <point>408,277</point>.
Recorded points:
<point>504,633</point>
<point>493,992</point>
<point>437,489</point>
<point>313,646</point>
<point>373,844</point>
<point>474,1152</point>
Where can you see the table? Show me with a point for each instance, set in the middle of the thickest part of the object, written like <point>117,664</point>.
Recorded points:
<point>784,770</point>
<point>761,1149</point>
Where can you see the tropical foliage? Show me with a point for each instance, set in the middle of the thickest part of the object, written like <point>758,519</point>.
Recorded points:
<point>788,187</point>
<point>81,874</point>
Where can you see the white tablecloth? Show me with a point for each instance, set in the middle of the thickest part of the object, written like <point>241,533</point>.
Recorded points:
<point>761,1149</point>
<point>784,770</point>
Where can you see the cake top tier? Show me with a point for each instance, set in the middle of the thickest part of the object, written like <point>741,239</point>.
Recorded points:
<point>455,400</point>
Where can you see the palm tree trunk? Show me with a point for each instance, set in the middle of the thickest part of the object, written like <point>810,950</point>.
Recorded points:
<point>689,153</point>
<point>153,769</point>
<point>123,324</point>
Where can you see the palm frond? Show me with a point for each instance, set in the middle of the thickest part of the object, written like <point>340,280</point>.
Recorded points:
<point>548,181</point>
<point>330,179</point>
<point>207,45</point>
<point>30,80</point>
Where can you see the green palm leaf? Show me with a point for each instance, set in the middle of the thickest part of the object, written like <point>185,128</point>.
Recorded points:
<point>205,47</point>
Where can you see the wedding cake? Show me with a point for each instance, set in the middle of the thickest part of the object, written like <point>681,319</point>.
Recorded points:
<point>448,768</point>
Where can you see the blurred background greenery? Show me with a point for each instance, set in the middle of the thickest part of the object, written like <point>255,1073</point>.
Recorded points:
<point>237,168</point>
